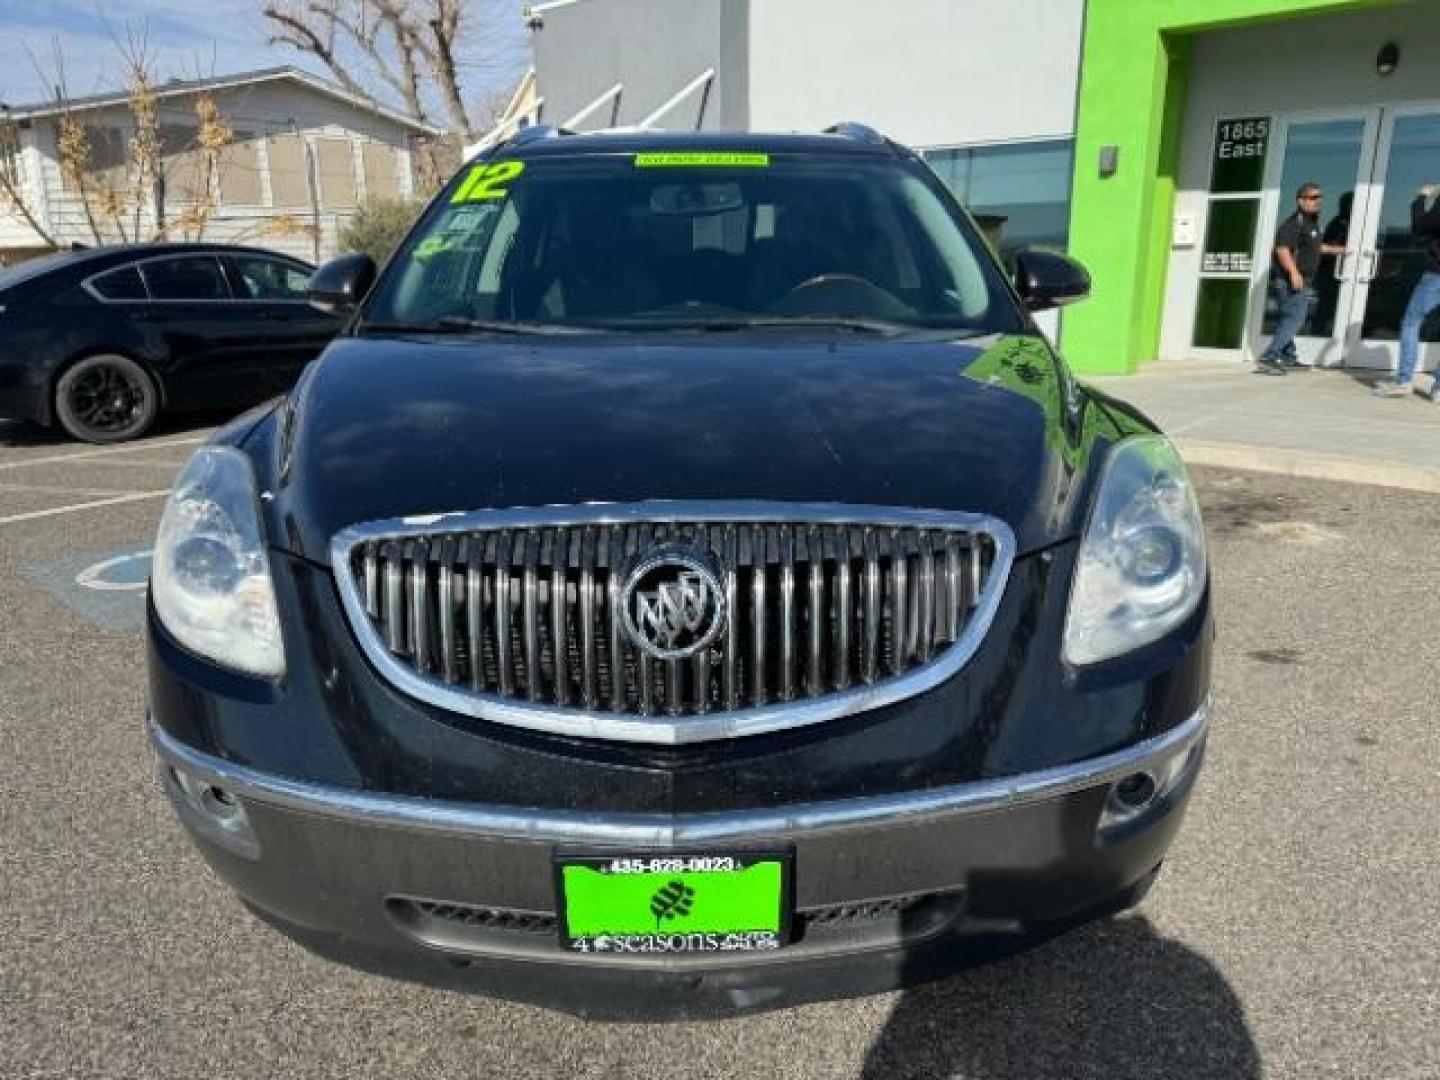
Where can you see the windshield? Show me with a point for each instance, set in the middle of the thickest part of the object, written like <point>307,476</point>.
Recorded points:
<point>678,240</point>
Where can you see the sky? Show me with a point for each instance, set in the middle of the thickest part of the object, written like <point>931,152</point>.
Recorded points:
<point>205,37</point>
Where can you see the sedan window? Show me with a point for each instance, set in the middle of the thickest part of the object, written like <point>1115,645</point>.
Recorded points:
<point>188,278</point>
<point>122,284</point>
<point>270,279</point>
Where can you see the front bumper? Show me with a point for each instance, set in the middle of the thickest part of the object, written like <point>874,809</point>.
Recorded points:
<point>888,889</point>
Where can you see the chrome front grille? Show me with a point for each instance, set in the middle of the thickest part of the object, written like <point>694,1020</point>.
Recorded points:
<point>516,615</point>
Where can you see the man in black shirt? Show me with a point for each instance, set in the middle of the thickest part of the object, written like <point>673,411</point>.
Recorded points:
<point>1298,247</point>
<point>1425,226</point>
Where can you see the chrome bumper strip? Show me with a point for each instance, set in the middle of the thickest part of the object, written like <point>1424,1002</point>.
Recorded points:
<point>663,830</point>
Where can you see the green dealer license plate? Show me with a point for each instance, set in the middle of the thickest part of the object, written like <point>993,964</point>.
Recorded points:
<point>674,904</point>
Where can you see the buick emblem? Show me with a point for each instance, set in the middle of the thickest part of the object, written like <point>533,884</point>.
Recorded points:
<point>672,602</point>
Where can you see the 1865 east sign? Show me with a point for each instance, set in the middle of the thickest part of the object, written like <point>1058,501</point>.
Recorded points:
<point>1239,162</point>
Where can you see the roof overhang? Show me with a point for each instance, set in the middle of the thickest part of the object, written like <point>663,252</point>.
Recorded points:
<point>190,87</point>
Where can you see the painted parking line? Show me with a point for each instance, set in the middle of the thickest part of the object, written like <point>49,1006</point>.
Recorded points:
<point>56,489</point>
<point>77,507</point>
<point>151,463</point>
<point>108,451</point>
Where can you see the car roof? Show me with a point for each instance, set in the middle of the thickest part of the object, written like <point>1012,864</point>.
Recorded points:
<point>121,252</point>
<point>98,258</point>
<point>850,140</point>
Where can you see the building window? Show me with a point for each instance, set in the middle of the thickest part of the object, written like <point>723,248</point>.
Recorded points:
<point>289,186</point>
<point>382,171</point>
<point>1019,193</point>
<point>240,171</point>
<point>187,177</point>
<point>335,161</point>
<point>106,168</point>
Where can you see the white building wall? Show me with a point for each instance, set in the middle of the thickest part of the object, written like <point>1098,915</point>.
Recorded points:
<point>15,232</point>
<point>925,72</point>
<point>654,47</point>
<point>1297,65</point>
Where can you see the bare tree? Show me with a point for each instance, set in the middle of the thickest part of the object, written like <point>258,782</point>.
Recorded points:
<point>72,140</point>
<point>212,135</point>
<point>147,173</point>
<point>409,44</point>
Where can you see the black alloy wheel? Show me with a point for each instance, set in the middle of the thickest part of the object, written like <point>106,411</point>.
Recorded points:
<point>106,399</point>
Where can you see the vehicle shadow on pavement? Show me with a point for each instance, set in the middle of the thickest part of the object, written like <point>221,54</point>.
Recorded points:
<point>1112,1000</point>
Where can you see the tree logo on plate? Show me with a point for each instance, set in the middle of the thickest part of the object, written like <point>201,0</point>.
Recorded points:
<point>672,602</point>
<point>671,900</point>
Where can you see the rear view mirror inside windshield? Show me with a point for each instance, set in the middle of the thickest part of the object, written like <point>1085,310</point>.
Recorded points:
<point>694,200</point>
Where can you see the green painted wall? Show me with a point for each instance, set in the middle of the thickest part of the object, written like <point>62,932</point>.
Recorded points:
<point>1132,95</point>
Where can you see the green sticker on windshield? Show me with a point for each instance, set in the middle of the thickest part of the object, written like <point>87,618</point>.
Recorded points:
<point>488,182</point>
<point>701,159</point>
<point>433,245</point>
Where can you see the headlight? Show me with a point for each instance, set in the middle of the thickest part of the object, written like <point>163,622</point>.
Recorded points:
<point>210,580</point>
<point>1141,567</point>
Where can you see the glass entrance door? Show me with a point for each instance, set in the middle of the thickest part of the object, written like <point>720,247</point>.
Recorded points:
<point>1391,260</point>
<point>1336,151</point>
<point>1370,164</point>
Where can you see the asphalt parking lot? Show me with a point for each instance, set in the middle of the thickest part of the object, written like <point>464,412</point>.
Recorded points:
<point>1293,933</point>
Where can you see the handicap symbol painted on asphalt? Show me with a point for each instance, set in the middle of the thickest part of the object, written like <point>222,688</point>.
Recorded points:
<point>120,573</point>
<point>106,588</point>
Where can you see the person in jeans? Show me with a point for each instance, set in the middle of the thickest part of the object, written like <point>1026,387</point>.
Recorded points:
<point>1425,224</point>
<point>1298,247</point>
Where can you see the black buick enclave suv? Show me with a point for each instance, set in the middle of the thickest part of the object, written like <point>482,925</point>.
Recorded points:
<point>690,580</point>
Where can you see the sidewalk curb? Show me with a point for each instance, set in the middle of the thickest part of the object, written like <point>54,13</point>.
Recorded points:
<point>1272,459</point>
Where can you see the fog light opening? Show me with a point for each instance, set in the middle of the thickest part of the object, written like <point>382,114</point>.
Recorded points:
<point>220,804</point>
<point>1136,791</point>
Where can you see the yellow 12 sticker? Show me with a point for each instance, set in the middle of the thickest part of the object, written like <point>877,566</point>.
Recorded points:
<point>488,182</point>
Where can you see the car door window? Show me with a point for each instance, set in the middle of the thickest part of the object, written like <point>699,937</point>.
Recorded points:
<point>269,279</point>
<point>121,284</point>
<point>190,277</point>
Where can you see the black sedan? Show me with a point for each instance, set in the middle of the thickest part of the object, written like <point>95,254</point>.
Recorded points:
<point>691,579</point>
<point>99,341</point>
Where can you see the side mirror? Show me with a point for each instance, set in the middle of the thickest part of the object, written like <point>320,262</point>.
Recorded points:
<point>1047,279</point>
<point>339,286</point>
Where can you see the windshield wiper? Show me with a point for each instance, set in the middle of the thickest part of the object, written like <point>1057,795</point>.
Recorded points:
<point>855,325</point>
<point>459,324</point>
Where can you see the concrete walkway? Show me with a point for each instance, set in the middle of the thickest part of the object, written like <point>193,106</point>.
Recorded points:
<point>1323,424</point>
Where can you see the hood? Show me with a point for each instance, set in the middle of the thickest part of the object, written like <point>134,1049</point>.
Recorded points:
<point>391,427</point>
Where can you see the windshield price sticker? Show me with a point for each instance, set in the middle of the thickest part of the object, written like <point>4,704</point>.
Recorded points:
<point>674,903</point>
<point>488,182</point>
<point>701,159</point>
